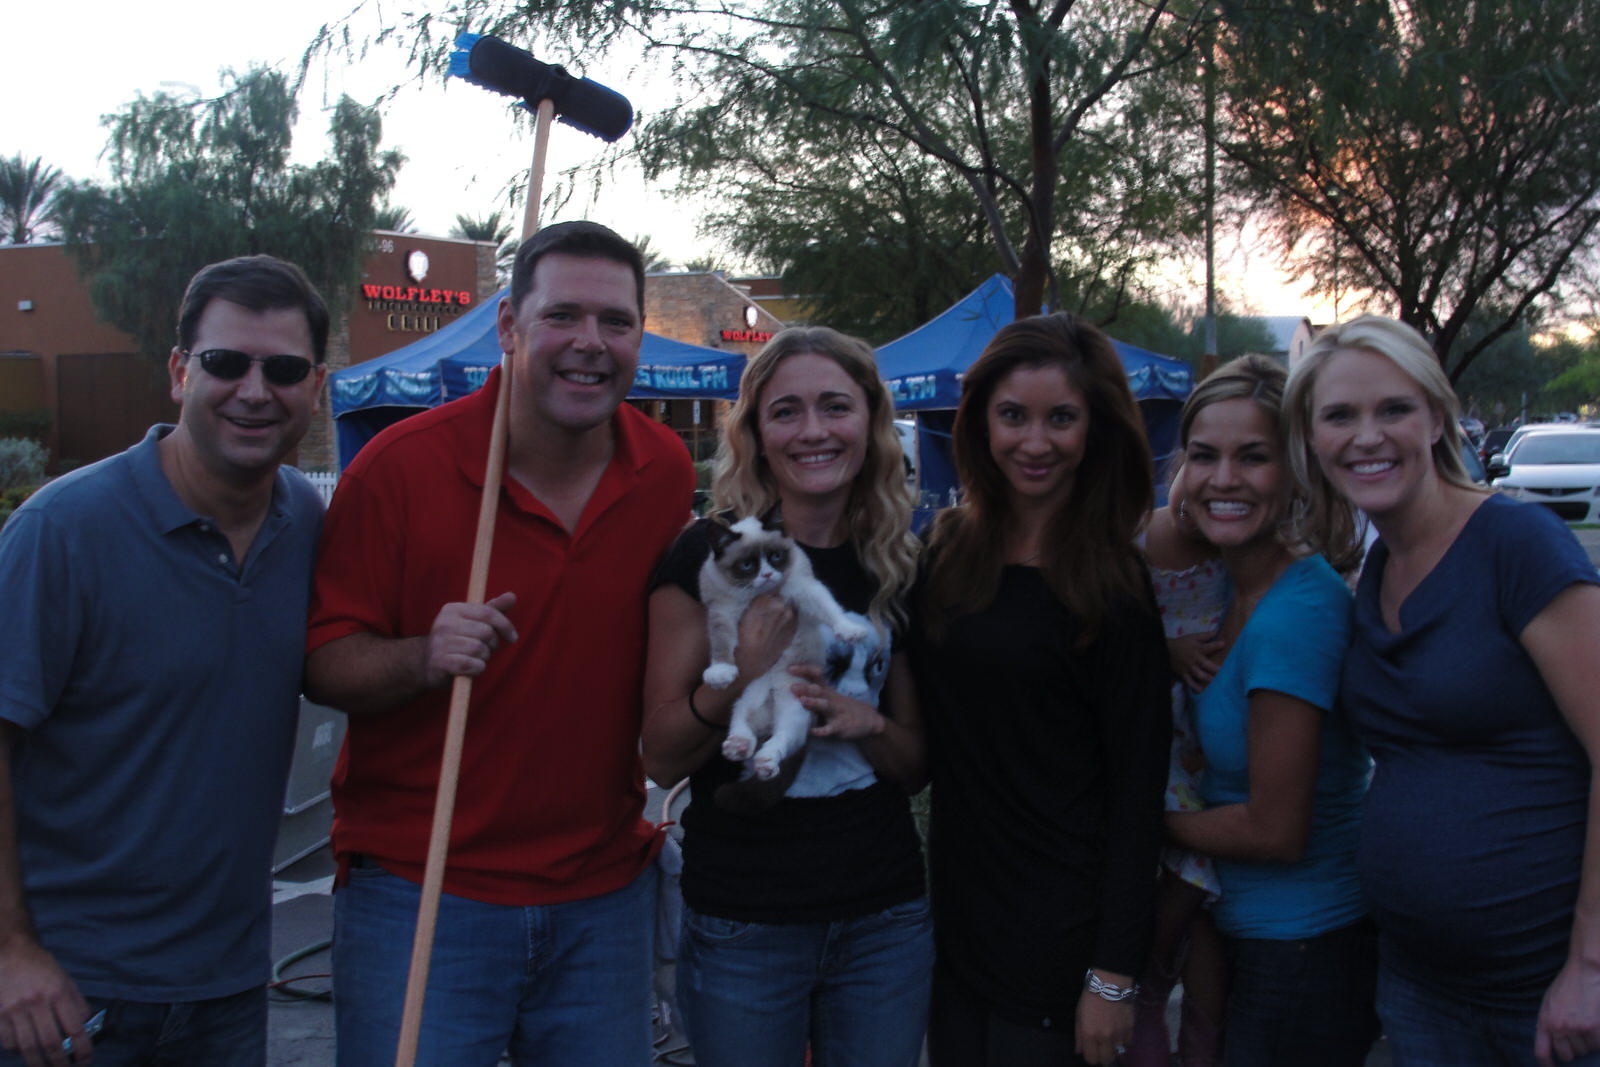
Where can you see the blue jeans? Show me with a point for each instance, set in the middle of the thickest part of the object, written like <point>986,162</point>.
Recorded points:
<point>1427,1028</point>
<point>227,1031</point>
<point>1307,1002</point>
<point>753,994</point>
<point>555,984</point>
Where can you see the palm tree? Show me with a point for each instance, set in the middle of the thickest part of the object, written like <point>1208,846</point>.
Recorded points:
<point>27,198</point>
<point>488,228</point>
<point>394,219</point>
<point>653,260</point>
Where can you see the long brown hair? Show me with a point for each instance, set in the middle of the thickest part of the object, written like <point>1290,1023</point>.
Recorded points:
<point>879,507</point>
<point>1089,559</point>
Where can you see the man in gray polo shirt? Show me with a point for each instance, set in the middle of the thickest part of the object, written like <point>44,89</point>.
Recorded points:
<point>151,635</point>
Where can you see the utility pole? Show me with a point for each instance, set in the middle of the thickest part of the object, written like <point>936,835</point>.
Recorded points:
<point>1208,362</point>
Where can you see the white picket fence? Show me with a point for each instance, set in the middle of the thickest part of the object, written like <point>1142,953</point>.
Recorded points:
<point>324,481</point>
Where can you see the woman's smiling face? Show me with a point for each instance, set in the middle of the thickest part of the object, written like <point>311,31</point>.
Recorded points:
<point>814,428</point>
<point>1038,423</point>
<point>1235,478</point>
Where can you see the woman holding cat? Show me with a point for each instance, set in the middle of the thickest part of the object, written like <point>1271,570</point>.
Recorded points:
<point>1041,663</point>
<point>805,922</point>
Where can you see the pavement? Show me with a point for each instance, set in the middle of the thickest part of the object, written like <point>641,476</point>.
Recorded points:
<point>300,1031</point>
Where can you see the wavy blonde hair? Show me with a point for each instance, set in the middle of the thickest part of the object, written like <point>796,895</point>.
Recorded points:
<point>879,507</point>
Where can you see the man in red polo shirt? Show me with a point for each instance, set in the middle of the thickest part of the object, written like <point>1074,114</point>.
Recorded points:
<point>544,936</point>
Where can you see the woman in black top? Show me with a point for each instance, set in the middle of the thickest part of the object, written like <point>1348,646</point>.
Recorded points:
<point>1042,672</point>
<point>806,922</point>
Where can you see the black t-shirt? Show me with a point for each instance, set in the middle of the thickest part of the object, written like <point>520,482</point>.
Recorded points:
<point>806,859</point>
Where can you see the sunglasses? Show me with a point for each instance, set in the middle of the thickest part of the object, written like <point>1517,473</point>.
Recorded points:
<point>231,365</point>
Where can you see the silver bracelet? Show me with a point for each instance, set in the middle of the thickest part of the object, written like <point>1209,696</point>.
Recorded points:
<point>1106,991</point>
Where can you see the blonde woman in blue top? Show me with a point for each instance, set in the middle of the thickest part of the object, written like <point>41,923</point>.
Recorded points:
<point>1284,774</point>
<point>1473,680</point>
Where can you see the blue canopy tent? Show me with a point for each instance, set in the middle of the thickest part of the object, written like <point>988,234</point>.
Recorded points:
<point>923,371</point>
<point>456,360</point>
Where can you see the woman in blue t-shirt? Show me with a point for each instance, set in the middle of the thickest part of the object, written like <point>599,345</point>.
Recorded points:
<point>1284,775</point>
<point>1473,680</point>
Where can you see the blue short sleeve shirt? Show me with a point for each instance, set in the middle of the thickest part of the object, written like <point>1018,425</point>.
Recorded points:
<point>1294,643</point>
<point>154,681</point>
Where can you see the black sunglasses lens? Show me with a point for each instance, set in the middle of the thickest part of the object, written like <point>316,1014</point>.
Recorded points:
<point>225,363</point>
<point>285,370</point>
<point>230,365</point>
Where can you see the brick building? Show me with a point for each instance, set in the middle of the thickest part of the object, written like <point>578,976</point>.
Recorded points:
<point>61,364</point>
<point>58,362</point>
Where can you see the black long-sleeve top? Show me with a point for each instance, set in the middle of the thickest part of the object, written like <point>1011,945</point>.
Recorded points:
<point>1049,766</point>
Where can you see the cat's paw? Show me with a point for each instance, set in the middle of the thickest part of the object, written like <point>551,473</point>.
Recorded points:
<point>737,748</point>
<point>852,632</point>
<point>720,675</point>
<point>765,767</point>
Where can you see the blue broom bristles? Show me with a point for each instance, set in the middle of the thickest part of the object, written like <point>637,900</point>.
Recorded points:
<point>461,58</point>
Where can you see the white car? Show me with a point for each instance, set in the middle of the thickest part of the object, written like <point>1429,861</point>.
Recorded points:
<point>907,429</point>
<point>1559,468</point>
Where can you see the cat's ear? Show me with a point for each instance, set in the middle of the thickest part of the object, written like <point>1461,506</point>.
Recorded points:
<point>720,534</point>
<point>773,518</point>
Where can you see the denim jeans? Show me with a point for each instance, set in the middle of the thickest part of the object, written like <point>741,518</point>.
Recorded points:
<point>554,984</point>
<point>228,1031</point>
<point>1427,1028</point>
<point>1307,1002</point>
<point>753,994</point>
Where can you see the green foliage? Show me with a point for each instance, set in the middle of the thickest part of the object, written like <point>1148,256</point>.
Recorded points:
<point>198,182</point>
<point>22,462</point>
<point>654,259</point>
<point>1577,362</point>
<point>394,219</point>
<point>1042,115</point>
<point>1442,156</point>
<point>27,199</point>
<point>877,240</point>
<point>1516,372</point>
<point>11,500</point>
<point>1180,332</point>
<point>491,227</point>
<point>33,423</point>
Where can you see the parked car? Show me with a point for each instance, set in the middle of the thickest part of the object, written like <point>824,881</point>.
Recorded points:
<point>1474,465</point>
<point>1494,442</point>
<point>1559,467</point>
<point>1472,430</point>
<point>907,429</point>
<point>1499,463</point>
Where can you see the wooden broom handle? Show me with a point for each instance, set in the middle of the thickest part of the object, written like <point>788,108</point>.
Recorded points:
<point>444,805</point>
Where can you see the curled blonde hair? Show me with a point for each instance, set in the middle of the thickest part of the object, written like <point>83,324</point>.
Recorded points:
<point>878,511</point>
<point>1411,354</point>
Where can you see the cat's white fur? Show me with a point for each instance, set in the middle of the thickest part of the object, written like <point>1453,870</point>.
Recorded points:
<point>769,723</point>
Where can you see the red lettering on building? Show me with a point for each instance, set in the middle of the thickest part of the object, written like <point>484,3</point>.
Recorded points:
<point>759,337</point>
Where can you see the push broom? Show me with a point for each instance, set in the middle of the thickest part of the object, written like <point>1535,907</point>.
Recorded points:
<point>551,93</point>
